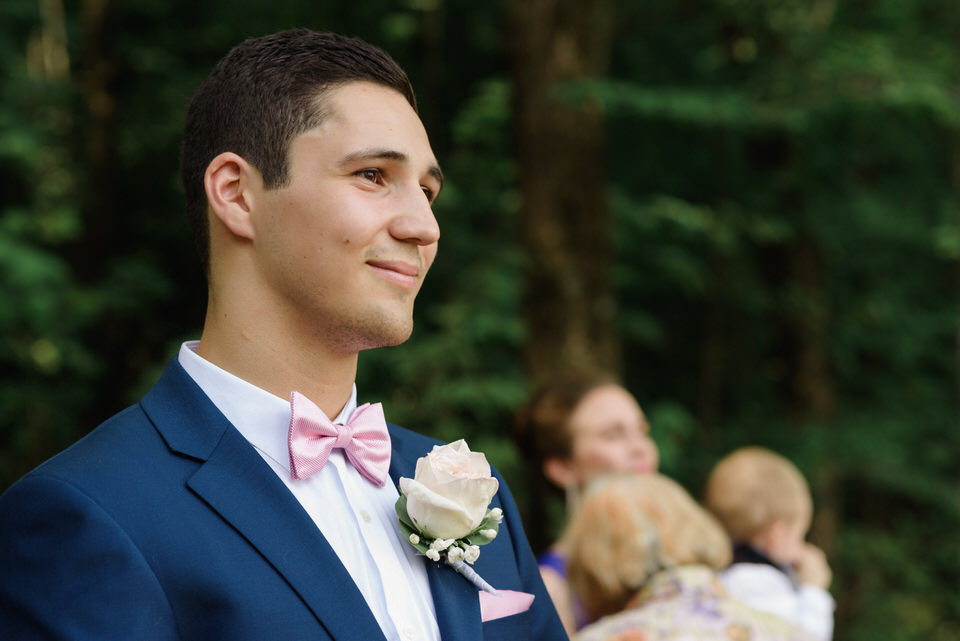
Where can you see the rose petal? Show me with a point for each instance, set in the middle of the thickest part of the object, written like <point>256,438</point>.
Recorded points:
<point>435,515</point>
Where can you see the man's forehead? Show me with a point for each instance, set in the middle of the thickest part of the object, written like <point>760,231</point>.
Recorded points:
<point>373,109</point>
<point>363,120</point>
<point>347,99</point>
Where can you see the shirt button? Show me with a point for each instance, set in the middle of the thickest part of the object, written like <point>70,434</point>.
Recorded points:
<point>365,516</point>
<point>409,632</point>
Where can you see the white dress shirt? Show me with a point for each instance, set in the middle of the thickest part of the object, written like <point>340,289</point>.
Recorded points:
<point>766,588</point>
<point>356,517</point>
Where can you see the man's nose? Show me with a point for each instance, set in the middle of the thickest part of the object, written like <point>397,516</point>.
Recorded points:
<point>415,221</point>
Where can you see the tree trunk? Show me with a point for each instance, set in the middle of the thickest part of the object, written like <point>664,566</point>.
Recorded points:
<point>99,147</point>
<point>569,305</point>
<point>956,182</point>
<point>104,228</point>
<point>712,350</point>
<point>47,54</point>
<point>813,389</point>
<point>812,384</point>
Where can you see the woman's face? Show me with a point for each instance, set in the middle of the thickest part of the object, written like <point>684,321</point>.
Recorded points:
<point>610,435</point>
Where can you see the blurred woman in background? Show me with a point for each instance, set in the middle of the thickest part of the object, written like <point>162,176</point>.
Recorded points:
<point>573,430</point>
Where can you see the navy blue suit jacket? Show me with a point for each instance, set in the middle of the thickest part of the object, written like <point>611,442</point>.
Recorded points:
<point>164,523</point>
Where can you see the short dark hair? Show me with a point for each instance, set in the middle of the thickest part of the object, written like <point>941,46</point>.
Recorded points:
<point>264,93</point>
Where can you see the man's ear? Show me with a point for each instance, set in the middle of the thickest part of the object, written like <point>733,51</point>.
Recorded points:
<point>228,181</point>
<point>560,472</point>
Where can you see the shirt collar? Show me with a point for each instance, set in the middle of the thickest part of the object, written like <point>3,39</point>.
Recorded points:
<point>262,418</point>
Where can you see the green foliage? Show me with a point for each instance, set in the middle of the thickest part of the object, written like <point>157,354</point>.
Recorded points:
<point>744,137</point>
<point>822,127</point>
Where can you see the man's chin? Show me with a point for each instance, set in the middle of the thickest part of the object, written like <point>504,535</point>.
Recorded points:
<point>370,330</point>
<point>388,337</point>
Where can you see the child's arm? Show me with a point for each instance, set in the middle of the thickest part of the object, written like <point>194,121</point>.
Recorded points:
<point>816,604</point>
<point>812,567</point>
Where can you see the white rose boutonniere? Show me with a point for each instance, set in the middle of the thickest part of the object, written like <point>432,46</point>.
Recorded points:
<point>443,509</point>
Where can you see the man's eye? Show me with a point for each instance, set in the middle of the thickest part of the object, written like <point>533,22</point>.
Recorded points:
<point>373,175</point>
<point>429,194</point>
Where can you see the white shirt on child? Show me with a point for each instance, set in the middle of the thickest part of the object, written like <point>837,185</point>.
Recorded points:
<point>766,588</point>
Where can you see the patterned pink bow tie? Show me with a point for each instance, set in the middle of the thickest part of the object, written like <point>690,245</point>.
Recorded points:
<point>313,436</point>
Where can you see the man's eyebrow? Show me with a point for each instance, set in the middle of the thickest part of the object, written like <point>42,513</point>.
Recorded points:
<point>374,154</point>
<point>388,154</point>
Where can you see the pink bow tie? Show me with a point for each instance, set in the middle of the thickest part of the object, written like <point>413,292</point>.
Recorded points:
<point>313,436</point>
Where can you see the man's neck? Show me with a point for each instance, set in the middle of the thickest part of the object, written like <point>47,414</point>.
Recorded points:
<point>279,363</point>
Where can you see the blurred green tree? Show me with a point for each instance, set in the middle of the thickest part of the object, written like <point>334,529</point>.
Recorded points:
<point>783,238</point>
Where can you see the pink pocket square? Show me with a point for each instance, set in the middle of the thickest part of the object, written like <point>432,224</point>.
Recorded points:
<point>503,604</point>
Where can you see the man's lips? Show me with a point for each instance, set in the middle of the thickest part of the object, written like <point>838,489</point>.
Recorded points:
<point>397,270</point>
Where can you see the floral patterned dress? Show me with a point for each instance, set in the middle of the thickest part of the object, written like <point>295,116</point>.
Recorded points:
<point>687,603</point>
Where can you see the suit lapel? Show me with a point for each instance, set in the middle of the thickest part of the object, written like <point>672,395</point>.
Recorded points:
<point>456,600</point>
<point>457,603</point>
<point>235,482</point>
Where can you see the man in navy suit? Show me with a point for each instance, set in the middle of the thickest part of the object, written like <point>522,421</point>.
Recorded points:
<point>309,181</point>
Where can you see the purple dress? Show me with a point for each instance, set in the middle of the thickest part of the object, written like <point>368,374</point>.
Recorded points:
<point>558,563</point>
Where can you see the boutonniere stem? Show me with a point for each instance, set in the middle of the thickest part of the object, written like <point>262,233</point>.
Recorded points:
<point>471,575</point>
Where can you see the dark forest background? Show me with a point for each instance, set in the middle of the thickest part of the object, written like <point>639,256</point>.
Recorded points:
<point>748,209</point>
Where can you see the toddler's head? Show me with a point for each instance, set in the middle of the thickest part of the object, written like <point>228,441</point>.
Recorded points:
<point>762,499</point>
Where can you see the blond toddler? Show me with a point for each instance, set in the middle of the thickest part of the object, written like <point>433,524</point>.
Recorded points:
<point>764,503</point>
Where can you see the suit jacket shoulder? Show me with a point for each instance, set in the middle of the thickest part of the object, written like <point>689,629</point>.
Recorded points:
<point>164,523</point>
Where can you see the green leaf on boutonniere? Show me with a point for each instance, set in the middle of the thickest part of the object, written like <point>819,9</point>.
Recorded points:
<point>401,507</point>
